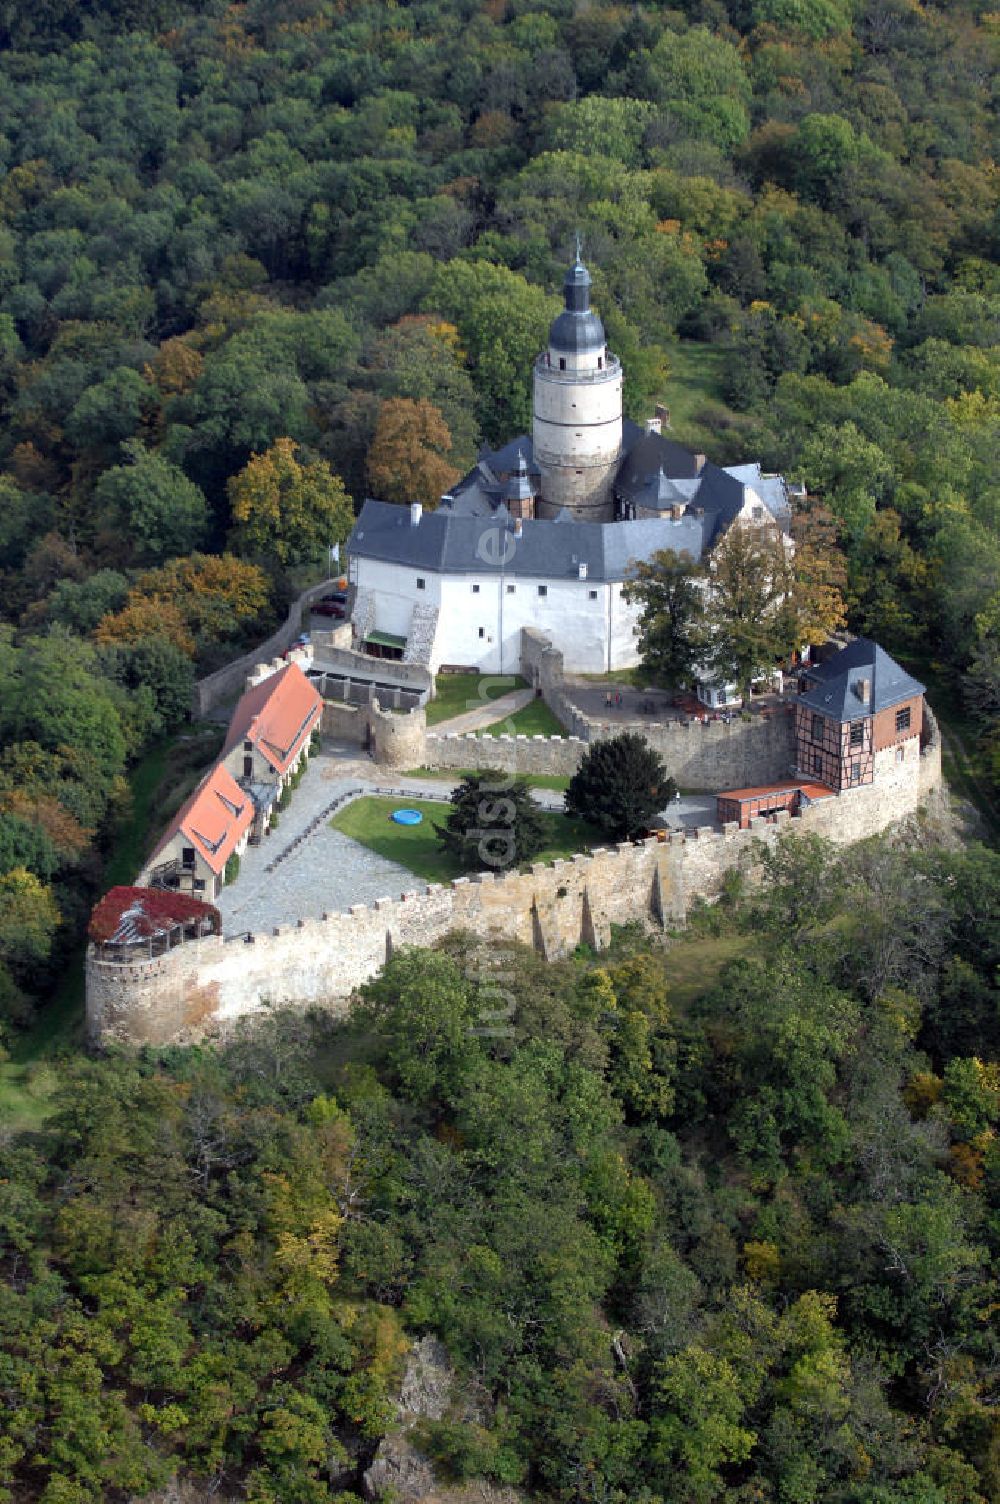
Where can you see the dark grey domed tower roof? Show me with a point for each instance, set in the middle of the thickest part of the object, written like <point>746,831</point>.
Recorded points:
<point>577,329</point>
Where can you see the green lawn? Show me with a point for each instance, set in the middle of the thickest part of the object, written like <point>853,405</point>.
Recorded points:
<point>451,775</point>
<point>417,847</point>
<point>535,719</point>
<point>457,693</point>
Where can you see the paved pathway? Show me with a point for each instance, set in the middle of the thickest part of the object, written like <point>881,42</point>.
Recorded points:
<point>488,713</point>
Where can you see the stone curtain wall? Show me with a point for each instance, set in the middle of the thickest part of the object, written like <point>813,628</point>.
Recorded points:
<point>201,987</point>
<point>208,692</point>
<point>708,755</point>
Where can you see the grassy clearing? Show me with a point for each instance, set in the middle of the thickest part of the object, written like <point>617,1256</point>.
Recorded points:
<point>695,963</point>
<point>457,693</point>
<point>535,719</point>
<point>417,848</point>
<point>695,383</point>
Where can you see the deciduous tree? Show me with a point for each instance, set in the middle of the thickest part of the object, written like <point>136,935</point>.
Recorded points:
<point>748,625</point>
<point>289,506</point>
<point>671,619</point>
<point>406,461</point>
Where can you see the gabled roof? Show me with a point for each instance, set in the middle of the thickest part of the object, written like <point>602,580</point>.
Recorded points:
<point>277,714</point>
<point>835,685</point>
<point>213,820</point>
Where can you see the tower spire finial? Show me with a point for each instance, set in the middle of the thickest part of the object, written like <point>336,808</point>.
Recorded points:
<point>579,248</point>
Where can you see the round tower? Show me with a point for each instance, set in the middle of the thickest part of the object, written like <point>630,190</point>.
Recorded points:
<point>577,429</point>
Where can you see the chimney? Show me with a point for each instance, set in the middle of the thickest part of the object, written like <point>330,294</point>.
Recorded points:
<point>653,425</point>
<point>518,527</point>
<point>662,418</point>
<point>582,570</point>
<point>699,463</point>
<point>416,512</point>
<point>863,690</point>
<point>677,511</point>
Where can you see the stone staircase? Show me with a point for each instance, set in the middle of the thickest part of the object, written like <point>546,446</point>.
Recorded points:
<point>363,615</point>
<point>423,630</point>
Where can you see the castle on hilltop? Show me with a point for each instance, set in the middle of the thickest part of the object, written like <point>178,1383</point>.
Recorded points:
<point>545,532</point>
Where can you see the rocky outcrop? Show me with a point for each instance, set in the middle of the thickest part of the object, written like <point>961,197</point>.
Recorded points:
<point>400,1473</point>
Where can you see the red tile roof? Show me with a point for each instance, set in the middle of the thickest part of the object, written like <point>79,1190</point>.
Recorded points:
<point>213,820</point>
<point>128,915</point>
<point>277,715</point>
<point>761,791</point>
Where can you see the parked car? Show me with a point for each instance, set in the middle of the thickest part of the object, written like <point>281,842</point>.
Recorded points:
<point>340,596</point>
<point>330,608</point>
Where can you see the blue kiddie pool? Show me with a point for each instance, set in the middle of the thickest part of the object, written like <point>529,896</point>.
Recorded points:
<point>406,816</point>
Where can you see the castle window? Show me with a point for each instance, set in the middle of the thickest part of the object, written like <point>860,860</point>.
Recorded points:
<point>600,363</point>
<point>199,885</point>
<point>543,590</point>
<point>856,770</point>
<point>562,363</point>
<point>511,589</point>
<point>248,746</point>
<point>482,631</point>
<point>248,767</point>
<point>593,595</point>
<point>421,582</point>
<point>475,589</point>
<point>817,728</point>
<point>900,754</point>
<point>857,733</point>
<point>187,856</point>
<point>903,719</point>
<point>817,762</point>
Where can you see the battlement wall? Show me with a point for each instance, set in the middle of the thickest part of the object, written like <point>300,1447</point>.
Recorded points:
<point>202,987</point>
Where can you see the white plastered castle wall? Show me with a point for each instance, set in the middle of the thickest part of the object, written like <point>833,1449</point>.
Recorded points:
<point>589,621</point>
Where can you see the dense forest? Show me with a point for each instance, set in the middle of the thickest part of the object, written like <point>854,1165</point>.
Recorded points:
<point>258,259</point>
<point>716,1223</point>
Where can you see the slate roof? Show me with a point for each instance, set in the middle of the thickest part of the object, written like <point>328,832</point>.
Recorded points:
<point>276,715</point>
<point>446,541</point>
<point>646,455</point>
<point>833,685</point>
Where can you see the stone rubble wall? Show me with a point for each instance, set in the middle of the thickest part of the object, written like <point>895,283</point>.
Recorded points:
<point>549,755</point>
<point>202,987</point>
<point>703,755</point>
<point>231,679</point>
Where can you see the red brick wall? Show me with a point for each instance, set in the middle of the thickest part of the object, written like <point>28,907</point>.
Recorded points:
<point>886,734</point>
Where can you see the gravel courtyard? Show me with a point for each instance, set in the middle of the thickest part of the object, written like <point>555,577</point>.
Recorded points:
<point>325,874</point>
